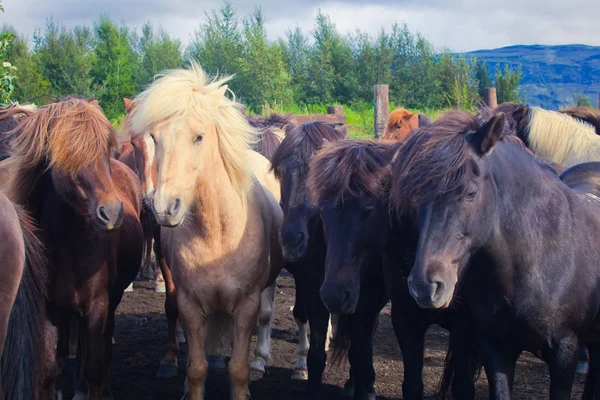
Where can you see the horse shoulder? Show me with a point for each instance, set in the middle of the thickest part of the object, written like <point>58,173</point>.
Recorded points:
<point>128,187</point>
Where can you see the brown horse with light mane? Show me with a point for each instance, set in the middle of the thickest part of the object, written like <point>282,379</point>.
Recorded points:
<point>401,122</point>
<point>215,196</point>
<point>22,304</point>
<point>87,207</point>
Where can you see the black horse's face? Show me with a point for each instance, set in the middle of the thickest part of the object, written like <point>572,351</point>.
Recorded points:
<point>354,230</point>
<point>451,229</point>
<point>298,213</point>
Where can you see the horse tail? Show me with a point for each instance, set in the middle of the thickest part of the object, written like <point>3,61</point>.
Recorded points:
<point>474,365</point>
<point>23,350</point>
<point>148,222</point>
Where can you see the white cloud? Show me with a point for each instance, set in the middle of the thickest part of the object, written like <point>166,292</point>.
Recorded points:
<point>459,25</point>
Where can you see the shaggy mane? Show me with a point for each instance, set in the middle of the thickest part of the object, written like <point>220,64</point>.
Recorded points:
<point>301,143</point>
<point>584,114</point>
<point>356,168</point>
<point>179,94</point>
<point>560,138</point>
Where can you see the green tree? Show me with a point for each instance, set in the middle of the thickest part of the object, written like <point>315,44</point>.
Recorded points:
<point>508,84</point>
<point>581,100</point>
<point>114,66</point>
<point>482,76</point>
<point>65,58</point>
<point>263,78</point>
<point>8,72</point>
<point>158,53</point>
<point>297,52</point>
<point>31,86</point>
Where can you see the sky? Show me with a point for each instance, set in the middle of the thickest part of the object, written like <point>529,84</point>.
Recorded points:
<point>460,25</point>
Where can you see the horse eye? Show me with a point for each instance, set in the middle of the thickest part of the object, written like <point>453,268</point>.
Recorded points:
<point>471,195</point>
<point>198,139</point>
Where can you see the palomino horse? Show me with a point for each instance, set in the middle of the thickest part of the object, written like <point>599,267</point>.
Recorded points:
<point>401,122</point>
<point>87,207</point>
<point>567,138</point>
<point>488,214</point>
<point>222,244</point>
<point>23,283</point>
<point>349,182</point>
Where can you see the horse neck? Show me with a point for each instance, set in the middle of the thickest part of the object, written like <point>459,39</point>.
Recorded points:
<point>219,210</point>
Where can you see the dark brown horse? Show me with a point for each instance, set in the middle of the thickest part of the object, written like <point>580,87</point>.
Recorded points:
<point>349,182</point>
<point>303,242</point>
<point>23,282</point>
<point>500,224</point>
<point>87,206</point>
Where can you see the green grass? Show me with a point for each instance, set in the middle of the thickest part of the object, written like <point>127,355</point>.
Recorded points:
<point>359,116</point>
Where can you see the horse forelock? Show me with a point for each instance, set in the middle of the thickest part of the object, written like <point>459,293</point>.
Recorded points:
<point>301,143</point>
<point>434,161</point>
<point>180,94</point>
<point>356,168</point>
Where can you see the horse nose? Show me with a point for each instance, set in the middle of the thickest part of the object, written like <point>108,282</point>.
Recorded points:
<point>174,207</point>
<point>110,216</point>
<point>428,293</point>
<point>435,290</point>
<point>337,299</point>
<point>299,238</point>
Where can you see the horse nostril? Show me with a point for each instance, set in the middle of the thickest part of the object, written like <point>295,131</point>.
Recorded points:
<point>300,238</point>
<point>102,215</point>
<point>174,209</point>
<point>346,297</point>
<point>436,289</point>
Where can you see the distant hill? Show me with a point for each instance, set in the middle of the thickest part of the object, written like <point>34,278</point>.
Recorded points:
<point>551,74</point>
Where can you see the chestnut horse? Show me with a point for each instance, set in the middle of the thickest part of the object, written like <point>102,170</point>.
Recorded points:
<point>401,122</point>
<point>23,283</point>
<point>488,213</point>
<point>87,206</point>
<point>221,244</point>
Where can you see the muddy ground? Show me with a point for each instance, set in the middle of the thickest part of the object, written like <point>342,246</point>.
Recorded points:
<point>141,333</point>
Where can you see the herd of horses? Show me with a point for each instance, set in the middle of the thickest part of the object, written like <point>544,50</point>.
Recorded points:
<point>481,224</point>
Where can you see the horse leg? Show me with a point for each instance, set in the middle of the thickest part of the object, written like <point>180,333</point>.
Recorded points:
<point>364,322</point>
<point>300,372</point>
<point>562,362</point>
<point>197,367</point>
<point>592,382</point>
<point>244,322</point>
<point>410,333</point>
<point>462,348</point>
<point>499,366</point>
<point>318,318</point>
<point>262,353</point>
<point>51,367</point>
<point>93,328</point>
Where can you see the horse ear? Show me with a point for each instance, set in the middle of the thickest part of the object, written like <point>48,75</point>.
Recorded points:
<point>94,102</point>
<point>218,94</point>
<point>128,104</point>
<point>484,139</point>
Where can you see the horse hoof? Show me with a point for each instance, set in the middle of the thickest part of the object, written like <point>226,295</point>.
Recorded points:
<point>167,371</point>
<point>256,374</point>
<point>300,374</point>
<point>79,395</point>
<point>180,337</point>
<point>160,287</point>
<point>582,367</point>
<point>129,288</point>
<point>347,392</point>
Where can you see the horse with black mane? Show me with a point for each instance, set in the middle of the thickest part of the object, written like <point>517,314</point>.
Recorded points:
<point>498,222</point>
<point>349,182</point>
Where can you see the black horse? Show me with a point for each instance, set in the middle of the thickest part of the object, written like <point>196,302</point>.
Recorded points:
<point>500,224</point>
<point>349,182</point>
<point>303,241</point>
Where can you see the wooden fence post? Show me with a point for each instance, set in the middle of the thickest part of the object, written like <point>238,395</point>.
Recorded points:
<point>381,100</point>
<point>490,97</point>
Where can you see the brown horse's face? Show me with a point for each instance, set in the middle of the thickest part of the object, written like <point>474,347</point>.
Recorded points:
<point>401,128</point>
<point>454,226</point>
<point>91,192</point>
<point>355,233</point>
<point>144,158</point>
<point>298,212</point>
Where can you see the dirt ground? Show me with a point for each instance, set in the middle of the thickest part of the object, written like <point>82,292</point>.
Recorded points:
<point>141,331</point>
